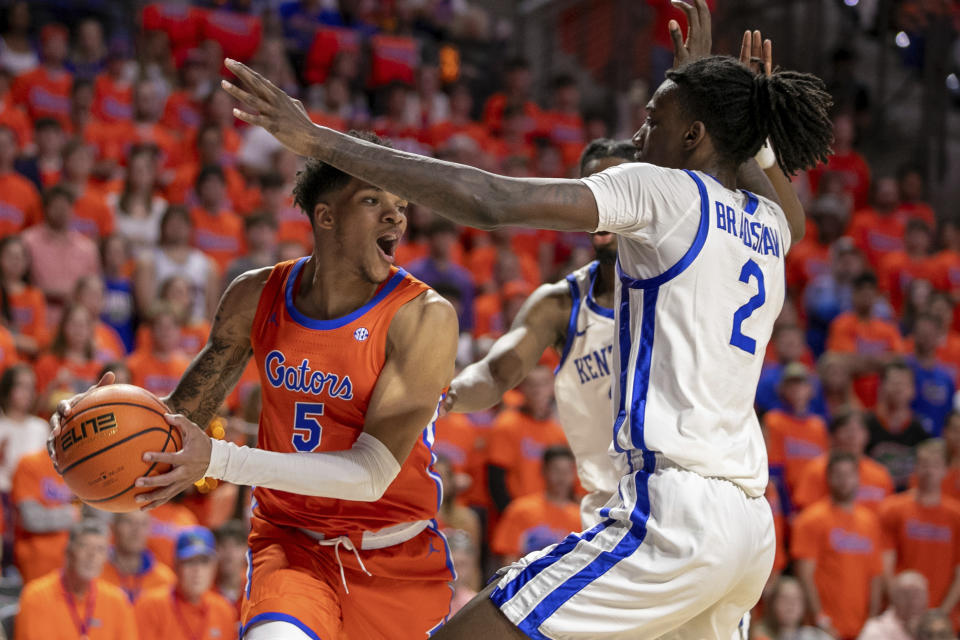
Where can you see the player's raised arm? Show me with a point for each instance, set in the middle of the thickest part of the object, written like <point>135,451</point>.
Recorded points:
<point>463,194</point>
<point>540,323</point>
<point>217,368</point>
<point>421,350</point>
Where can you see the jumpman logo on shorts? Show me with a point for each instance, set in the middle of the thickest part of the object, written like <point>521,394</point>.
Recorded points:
<point>432,549</point>
<point>273,319</point>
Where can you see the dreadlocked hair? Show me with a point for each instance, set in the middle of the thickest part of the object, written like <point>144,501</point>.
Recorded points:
<point>741,109</point>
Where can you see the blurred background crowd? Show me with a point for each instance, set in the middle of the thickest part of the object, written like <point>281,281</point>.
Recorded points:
<point>130,197</point>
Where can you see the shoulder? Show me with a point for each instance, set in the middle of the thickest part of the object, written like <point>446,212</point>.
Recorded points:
<point>40,589</point>
<point>815,514</point>
<point>216,601</point>
<point>428,312</point>
<point>245,289</point>
<point>550,302</point>
<point>525,506</point>
<point>866,519</point>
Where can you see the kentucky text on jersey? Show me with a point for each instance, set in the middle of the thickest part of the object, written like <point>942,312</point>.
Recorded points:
<point>756,235</point>
<point>594,365</point>
<point>304,379</point>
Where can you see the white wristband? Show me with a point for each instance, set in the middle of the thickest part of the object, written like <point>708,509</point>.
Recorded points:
<point>766,158</point>
<point>362,472</point>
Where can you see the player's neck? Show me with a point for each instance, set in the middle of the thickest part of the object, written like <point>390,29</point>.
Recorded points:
<point>330,288</point>
<point>191,599</point>
<point>605,284</point>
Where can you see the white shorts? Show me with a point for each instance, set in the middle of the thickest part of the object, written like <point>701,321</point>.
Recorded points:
<point>680,556</point>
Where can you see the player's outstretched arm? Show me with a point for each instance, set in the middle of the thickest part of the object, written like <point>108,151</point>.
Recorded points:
<point>421,349</point>
<point>540,323</point>
<point>463,194</point>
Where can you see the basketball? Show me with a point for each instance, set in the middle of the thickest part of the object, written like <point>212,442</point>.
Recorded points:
<point>101,445</point>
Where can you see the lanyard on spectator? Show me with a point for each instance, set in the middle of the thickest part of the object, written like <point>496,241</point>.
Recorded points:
<point>82,624</point>
<point>182,621</point>
<point>132,590</point>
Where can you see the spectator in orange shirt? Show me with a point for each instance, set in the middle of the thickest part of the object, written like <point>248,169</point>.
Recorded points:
<point>24,306</point>
<point>14,115</point>
<point>45,511</point>
<point>483,258</point>
<point>811,257</point>
<point>59,257</point>
<point>908,601</point>
<point>45,91</point>
<point>394,124</point>
<point>70,365</point>
<point>458,122</point>
<point>159,367</point>
<point>922,529</point>
<point>951,437</point>
<point>145,128</point>
<point>439,267</point>
<point>89,50</point>
<point>112,91</point>
<point>946,264</point>
<point>870,343</point>
<point>794,436</point>
<point>42,167</point>
<point>837,551</point>
<point>517,85</point>
<point>912,189</point>
<point>92,217</point>
<point>217,231</point>
<point>562,124</point>
<point>90,293</point>
<point>849,165</point>
<point>898,269</point>
<point>19,199</point>
<point>106,138</point>
<point>836,385</point>
<point>894,429</point>
<point>176,293</point>
<point>131,566</point>
<point>538,520</point>
<point>877,230</point>
<point>848,434</point>
<point>191,610</point>
<point>513,140</point>
<point>183,109</point>
<point>231,560</point>
<point>519,438</point>
<point>948,343</point>
<point>217,112</point>
<point>76,604</point>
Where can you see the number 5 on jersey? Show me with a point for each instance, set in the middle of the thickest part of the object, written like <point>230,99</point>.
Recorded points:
<point>750,270</point>
<point>307,430</point>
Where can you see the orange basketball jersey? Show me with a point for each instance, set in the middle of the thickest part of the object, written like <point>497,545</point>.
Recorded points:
<point>317,378</point>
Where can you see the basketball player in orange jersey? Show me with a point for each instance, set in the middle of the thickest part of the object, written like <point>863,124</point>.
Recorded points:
<point>353,355</point>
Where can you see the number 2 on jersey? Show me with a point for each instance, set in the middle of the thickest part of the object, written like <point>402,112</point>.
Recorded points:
<point>306,429</point>
<point>737,339</point>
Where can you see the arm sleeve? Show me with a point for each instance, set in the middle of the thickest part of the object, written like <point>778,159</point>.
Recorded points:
<point>631,196</point>
<point>360,473</point>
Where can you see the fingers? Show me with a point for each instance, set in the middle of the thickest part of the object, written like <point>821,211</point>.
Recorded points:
<point>745,45</point>
<point>757,45</point>
<point>703,20</point>
<point>693,20</point>
<point>677,36</point>
<point>162,457</point>
<point>108,378</point>
<point>254,81</point>
<point>767,57</point>
<point>243,96</point>
<point>249,118</point>
<point>162,480</point>
<point>154,499</point>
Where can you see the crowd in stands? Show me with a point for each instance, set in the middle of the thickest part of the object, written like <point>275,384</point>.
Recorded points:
<point>130,197</point>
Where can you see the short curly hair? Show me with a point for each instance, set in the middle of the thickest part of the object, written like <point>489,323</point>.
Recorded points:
<point>317,179</point>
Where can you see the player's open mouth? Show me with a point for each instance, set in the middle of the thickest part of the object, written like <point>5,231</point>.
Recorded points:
<point>387,246</point>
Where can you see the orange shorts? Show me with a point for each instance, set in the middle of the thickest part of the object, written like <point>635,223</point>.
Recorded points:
<point>292,578</point>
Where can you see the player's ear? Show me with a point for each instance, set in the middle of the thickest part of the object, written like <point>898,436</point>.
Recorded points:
<point>323,216</point>
<point>694,135</point>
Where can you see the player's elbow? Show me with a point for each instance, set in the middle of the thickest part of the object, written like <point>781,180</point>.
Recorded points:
<point>797,231</point>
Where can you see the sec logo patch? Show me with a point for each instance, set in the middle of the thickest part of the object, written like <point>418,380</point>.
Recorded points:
<point>361,334</point>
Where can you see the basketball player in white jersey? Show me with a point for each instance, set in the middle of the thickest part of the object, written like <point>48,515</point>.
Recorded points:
<point>687,542</point>
<point>575,316</point>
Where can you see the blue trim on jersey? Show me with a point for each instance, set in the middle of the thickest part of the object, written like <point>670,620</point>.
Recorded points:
<point>688,257</point>
<point>591,301</point>
<point>572,322</point>
<point>429,436</point>
<point>501,595</point>
<point>272,616</point>
<point>752,203</point>
<point>433,526</point>
<point>249,571</point>
<point>641,378</point>
<point>605,561</point>
<point>335,323</point>
<point>440,624</point>
<point>623,334</point>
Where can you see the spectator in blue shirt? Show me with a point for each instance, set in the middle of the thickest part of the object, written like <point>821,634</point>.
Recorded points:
<point>935,388</point>
<point>438,267</point>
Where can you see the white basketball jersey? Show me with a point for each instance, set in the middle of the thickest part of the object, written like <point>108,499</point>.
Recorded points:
<point>701,284</point>
<point>582,384</point>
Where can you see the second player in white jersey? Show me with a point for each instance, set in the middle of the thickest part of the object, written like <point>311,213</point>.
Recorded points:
<point>583,391</point>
